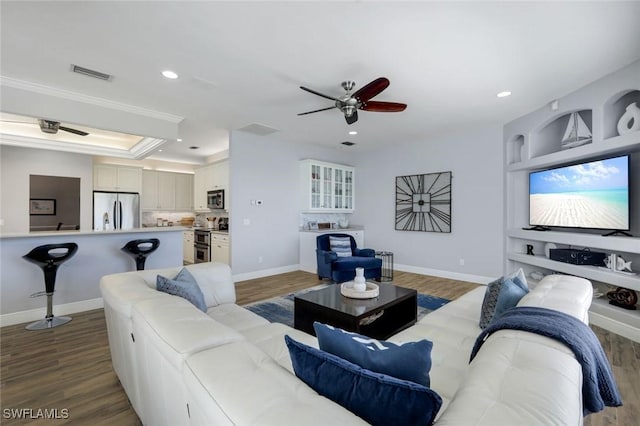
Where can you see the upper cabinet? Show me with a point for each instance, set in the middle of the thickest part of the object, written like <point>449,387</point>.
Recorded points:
<point>208,178</point>
<point>166,191</point>
<point>108,177</point>
<point>327,187</point>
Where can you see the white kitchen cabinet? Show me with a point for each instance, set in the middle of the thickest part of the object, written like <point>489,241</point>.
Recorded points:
<point>208,178</point>
<point>166,191</point>
<point>187,247</point>
<point>109,177</point>
<point>220,248</point>
<point>327,187</point>
<point>184,192</point>
<point>307,252</point>
<point>201,184</point>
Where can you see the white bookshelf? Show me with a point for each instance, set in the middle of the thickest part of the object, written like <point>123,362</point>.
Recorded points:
<point>532,143</point>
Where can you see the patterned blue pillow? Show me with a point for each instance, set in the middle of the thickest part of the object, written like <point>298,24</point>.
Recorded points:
<point>377,398</point>
<point>183,285</point>
<point>409,361</point>
<point>490,300</point>
<point>510,294</point>
<point>341,246</point>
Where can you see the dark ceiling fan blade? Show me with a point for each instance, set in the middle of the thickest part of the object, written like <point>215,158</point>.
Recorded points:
<point>317,110</point>
<point>372,89</point>
<point>74,131</point>
<point>353,118</point>
<point>378,106</point>
<point>320,94</point>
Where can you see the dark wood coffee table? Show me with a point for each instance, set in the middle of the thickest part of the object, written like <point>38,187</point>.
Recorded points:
<point>392,311</point>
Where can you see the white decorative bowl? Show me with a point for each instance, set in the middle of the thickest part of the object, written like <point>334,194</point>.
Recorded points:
<point>347,290</point>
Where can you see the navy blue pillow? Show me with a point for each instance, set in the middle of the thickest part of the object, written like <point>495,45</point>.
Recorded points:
<point>377,398</point>
<point>183,285</point>
<point>409,361</point>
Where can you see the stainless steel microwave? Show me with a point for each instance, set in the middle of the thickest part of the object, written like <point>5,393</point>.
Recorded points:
<point>215,199</point>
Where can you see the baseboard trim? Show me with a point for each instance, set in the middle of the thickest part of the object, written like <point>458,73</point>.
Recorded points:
<point>617,327</point>
<point>265,273</point>
<point>477,279</point>
<point>58,310</point>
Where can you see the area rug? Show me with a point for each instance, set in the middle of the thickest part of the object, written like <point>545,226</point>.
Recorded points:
<point>280,309</point>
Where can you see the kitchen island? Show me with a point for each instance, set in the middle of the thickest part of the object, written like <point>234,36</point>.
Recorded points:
<point>99,253</point>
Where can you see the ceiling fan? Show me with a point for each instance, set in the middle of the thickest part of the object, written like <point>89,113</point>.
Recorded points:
<point>51,127</point>
<point>349,103</point>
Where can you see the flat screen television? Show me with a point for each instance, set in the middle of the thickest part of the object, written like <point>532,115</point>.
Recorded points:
<point>592,194</point>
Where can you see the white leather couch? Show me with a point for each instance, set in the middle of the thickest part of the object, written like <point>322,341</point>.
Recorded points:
<point>180,366</point>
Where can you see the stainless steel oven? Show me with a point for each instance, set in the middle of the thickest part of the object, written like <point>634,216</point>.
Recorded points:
<point>201,246</point>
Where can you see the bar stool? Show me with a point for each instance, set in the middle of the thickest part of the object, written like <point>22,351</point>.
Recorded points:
<point>140,249</point>
<point>49,257</point>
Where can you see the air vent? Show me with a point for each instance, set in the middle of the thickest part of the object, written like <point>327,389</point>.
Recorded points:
<point>258,129</point>
<point>91,73</point>
<point>347,143</point>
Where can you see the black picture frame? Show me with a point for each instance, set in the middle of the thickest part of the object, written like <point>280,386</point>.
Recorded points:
<point>42,206</point>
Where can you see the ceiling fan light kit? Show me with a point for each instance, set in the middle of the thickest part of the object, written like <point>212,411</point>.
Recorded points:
<point>349,104</point>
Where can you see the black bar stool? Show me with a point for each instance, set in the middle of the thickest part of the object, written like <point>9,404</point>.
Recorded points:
<point>140,249</point>
<point>49,257</point>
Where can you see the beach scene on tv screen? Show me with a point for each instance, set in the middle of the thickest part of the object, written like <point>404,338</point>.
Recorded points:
<point>588,195</point>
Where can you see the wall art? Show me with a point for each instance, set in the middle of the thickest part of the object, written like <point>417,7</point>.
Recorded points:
<point>423,202</point>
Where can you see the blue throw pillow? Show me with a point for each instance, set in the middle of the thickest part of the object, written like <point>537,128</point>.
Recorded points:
<point>377,398</point>
<point>493,291</point>
<point>341,246</point>
<point>511,291</point>
<point>409,361</point>
<point>183,285</point>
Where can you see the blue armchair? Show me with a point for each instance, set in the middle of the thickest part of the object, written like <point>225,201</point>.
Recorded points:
<point>343,268</point>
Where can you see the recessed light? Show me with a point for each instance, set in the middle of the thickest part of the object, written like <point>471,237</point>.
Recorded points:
<point>159,150</point>
<point>353,132</point>
<point>170,74</point>
<point>504,94</point>
<point>179,140</point>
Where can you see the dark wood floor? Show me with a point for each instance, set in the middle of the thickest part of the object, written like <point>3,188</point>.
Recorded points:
<point>69,368</point>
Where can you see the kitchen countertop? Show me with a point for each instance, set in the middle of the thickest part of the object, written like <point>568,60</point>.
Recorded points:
<point>335,231</point>
<point>91,232</point>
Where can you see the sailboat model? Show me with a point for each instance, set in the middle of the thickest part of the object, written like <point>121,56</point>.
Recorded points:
<point>577,132</point>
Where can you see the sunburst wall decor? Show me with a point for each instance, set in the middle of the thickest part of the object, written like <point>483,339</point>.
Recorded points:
<point>423,202</point>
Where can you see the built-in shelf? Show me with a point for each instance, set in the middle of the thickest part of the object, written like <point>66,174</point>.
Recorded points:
<point>609,147</point>
<point>613,243</point>
<point>595,273</point>
<point>533,142</point>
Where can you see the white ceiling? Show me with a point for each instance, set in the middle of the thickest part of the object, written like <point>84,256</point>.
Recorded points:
<point>241,63</point>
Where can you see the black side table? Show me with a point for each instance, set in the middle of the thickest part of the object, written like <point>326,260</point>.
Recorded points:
<point>387,265</point>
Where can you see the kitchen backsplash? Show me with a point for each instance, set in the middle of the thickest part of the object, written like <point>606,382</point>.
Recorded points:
<point>336,218</point>
<point>151,218</point>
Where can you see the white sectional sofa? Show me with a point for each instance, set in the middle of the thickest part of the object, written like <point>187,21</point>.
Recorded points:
<point>180,366</point>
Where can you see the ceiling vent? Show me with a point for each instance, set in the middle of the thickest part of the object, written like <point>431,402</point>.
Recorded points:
<point>91,73</point>
<point>258,129</point>
<point>347,143</point>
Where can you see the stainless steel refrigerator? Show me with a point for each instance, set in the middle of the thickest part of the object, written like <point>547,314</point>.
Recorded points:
<point>115,210</point>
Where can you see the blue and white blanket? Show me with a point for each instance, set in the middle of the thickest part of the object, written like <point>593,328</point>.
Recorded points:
<point>599,385</point>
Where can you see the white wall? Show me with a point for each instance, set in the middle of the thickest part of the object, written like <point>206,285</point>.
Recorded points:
<point>265,168</point>
<point>476,160</point>
<point>16,164</point>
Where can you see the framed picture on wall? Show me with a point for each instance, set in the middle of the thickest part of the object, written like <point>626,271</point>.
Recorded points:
<point>42,206</point>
